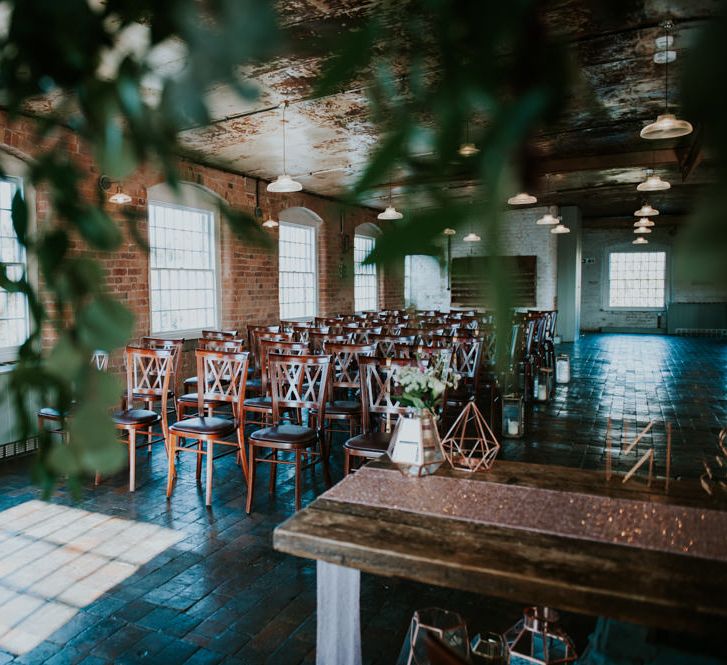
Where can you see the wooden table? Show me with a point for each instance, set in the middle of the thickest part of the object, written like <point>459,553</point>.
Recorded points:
<point>627,582</point>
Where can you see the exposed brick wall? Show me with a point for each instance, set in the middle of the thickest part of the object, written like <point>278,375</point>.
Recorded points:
<point>249,273</point>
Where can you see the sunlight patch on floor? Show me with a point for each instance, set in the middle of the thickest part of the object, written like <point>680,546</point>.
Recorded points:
<point>54,560</point>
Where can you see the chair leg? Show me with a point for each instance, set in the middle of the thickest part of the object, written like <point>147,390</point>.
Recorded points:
<point>150,433</point>
<point>297,480</point>
<point>324,460</point>
<point>242,457</point>
<point>210,459</point>
<point>97,479</point>
<point>346,463</point>
<point>250,478</point>
<point>273,472</point>
<point>132,460</point>
<point>171,457</point>
<point>199,460</point>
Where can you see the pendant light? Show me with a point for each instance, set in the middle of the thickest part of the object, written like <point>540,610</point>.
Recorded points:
<point>270,223</point>
<point>119,197</point>
<point>667,125</point>
<point>653,183</point>
<point>550,218</point>
<point>646,211</point>
<point>449,232</point>
<point>471,237</point>
<point>284,183</point>
<point>644,221</point>
<point>391,212</point>
<point>522,199</point>
<point>642,229</point>
<point>467,149</point>
<point>640,241</point>
<point>561,228</point>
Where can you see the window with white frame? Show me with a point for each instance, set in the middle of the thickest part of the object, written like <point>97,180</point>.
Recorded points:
<point>14,316</point>
<point>183,268</point>
<point>365,282</point>
<point>408,293</point>
<point>297,279</point>
<point>637,280</point>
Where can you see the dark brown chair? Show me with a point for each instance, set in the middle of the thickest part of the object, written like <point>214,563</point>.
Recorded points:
<point>219,334</point>
<point>148,375</point>
<point>380,408</point>
<point>297,383</point>
<point>386,344</point>
<point>342,404</point>
<point>317,340</point>
<point>222,377</point>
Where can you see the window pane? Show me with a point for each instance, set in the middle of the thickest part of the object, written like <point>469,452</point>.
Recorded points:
<point>636,279</point>
<point>14,320</point>
<point>297,271</point>
<point>365,283</point>
<point>182,260</point>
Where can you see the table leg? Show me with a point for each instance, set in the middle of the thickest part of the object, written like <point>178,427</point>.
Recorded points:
<point>338,641</point>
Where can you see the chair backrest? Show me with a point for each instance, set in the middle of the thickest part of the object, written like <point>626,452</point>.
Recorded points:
<point>217,344</point>
<point>252,340</point>
<point>100,360</point>
<point>386,344</point>
<point>279,346</point>
<point>148,374</point>
<point>379,393</point>
<point>426,355</point>
<point>345,362</point>
<point>176,346</point>
<point>467,355</point>
<point>299,382</point>
<point>317,340</point>
<point>219,334</point>
<point>222,377</point>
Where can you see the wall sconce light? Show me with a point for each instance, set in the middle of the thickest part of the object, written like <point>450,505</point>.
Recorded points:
<point>119,197</point>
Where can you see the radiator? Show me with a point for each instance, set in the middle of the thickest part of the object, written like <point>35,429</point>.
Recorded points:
<point>687,318</point>
<point>11,443</point>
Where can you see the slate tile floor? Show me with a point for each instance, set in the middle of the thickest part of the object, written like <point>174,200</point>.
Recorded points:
<point>217,593</point>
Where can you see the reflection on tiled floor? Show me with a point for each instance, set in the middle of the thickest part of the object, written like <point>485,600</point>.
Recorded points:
<point>55,560</point>
<point>221,594</point>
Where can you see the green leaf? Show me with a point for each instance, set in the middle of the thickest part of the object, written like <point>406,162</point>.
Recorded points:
<point>65,359</point>
<point>104,323</point>
<point>20,217</point>
<point>98,229</point>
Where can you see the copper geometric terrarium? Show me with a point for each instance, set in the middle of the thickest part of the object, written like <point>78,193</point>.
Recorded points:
<point>470,444</point>
<point>538,639</point>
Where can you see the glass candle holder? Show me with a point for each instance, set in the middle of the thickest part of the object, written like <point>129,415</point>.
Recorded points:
<point>545,384</point>
<point>513,416</point>
<point>447,627</point>
<point>562,368</point>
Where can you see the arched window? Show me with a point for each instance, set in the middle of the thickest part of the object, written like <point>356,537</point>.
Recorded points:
<point>14,315</point>
<point>298,263</point>
<point>183,261</point>
<point>365,277</point>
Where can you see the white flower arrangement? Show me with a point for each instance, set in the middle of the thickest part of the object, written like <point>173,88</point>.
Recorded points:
<point>424,388</point>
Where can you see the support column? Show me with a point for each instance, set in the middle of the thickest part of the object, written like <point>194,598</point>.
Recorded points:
<point>569,275</point>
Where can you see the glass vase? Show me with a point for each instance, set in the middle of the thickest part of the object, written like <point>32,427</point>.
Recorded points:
<point>415,446</point>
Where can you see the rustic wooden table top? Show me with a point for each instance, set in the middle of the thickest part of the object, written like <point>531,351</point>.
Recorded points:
<point>623,581</point>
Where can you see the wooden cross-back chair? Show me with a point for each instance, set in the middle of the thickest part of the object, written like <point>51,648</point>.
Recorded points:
<point>176,346</point>
<point>148,375</point>
<point>298,384</point>
<point>219,334</point>
<point>253,333</point>
<point>344,404</point>
<point>380,408</point>
<point>386,344</point>
<point>254,383</point>
<point>317,340</point>
<point>221,377</point>
<point>52,417</point>
<point>257,410</point>
<point>189,399</point>
<point>360,334</point>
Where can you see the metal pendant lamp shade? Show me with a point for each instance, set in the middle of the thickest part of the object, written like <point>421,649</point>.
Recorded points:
<point>644,221</point>
<point>642,229</point>
<point>561,228</point>
<point>522,199</point>
<point>284,183</point>
<point>391,213</point>
<point>653,183</point>
<point>646,211</point>
<point>667,125</point>
<point>471,237</point>
<point>640,241</point>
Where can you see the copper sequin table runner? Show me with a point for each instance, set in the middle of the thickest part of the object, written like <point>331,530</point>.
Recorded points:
<point>669,528</point>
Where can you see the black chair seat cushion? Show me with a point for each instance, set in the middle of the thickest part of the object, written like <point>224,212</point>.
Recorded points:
<point>189,382</point>
<point>142,397</point>
<point>259,402</point>
<point>214,425</point>
<point>343,407</point>
<point>255,383</point>
<point>285,436</point>
<point>136,417</point>
<point>374,443</point>
<point>51,413</point>
<point>191,398</point>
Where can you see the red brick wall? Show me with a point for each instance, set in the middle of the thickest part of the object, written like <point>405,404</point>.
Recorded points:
<point>249,275</point>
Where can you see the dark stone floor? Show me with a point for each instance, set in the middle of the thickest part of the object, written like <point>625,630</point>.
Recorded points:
<point>222,595</point>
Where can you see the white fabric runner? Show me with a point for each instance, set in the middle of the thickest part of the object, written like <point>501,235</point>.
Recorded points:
<point>338,640</point>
